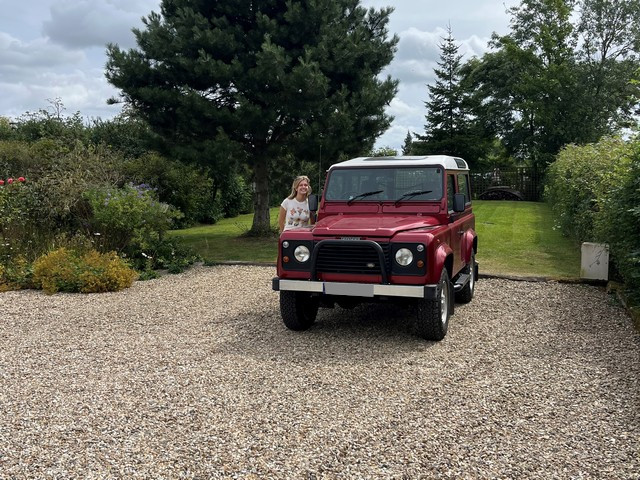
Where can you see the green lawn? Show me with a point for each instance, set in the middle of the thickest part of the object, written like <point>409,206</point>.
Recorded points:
<point>518,238</point>
<point>513,238</point>
<point>226,240</point>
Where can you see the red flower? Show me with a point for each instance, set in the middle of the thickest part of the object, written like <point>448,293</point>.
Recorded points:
<point>21,179</point>
<point>9,181</point>
<point>1,182</point>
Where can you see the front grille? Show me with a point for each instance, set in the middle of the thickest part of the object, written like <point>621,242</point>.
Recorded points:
<point>351,258</point>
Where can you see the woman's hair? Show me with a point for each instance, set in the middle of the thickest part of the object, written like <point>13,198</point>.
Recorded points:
<point>296,182</point>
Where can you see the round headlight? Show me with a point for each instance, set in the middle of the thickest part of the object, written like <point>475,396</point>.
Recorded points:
<point>301,253</point>
<point>404,257</point>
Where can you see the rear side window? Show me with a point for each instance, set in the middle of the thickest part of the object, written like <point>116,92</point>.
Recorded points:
<point>463,187</point>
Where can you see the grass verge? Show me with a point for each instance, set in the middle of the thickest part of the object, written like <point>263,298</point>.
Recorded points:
<point>514,238</point>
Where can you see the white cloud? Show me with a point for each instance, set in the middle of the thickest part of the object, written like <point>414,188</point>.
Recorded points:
<point>17,55</point>
<point>412,71</point>
<point>419,52</point>
<point>81,91</point>
<point>394,137</point>
<point>401,110</point>
<point>415,43</point>
<point>56,49</point>
<point>85,23</point>
<point>466,17</point>
<point>33,72</point>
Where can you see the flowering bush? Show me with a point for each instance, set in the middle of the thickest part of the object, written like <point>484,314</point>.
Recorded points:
<point>63,194</point>
<point>65,270</point>
<point>10,181</point>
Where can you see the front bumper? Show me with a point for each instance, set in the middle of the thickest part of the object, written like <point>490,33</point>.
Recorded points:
<point>366,290</point>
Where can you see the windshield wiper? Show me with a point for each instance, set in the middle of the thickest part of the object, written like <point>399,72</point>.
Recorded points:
<point>410,195</point>
<point>362,195</point>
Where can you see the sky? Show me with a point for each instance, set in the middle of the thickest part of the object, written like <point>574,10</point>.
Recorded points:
<point>55,49</point>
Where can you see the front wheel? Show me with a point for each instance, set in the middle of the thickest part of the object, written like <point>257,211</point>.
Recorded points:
<point>298,309</point>
<point>433,315</point>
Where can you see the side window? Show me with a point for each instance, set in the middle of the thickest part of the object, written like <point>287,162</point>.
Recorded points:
<point>463,187</point>
<point>451,190</point>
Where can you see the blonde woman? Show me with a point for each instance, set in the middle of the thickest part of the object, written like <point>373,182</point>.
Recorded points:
<point>294,210</point>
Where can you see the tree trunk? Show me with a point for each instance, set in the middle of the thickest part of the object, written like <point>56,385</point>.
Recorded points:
<point>261,221</point>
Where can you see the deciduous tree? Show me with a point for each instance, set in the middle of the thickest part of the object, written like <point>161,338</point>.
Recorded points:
<point>553,81</point>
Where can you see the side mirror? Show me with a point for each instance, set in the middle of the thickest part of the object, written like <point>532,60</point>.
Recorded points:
<point>458,202</point>
<point>313,202</point>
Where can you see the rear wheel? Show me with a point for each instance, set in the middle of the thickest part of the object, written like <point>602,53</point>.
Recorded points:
<point>466,294</point>
<point>298,309</point>
<point>433,315</point>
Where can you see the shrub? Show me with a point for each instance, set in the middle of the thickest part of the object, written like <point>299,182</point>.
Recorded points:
<point>594,191</point>
<point>133,222</point>
<point>19,230</point>
<point>122,133</point>
<point>62,185</point>
<point>15,157</point>
<point>171,255</point>
<point>186,187</point>
<point>65,270</point>
<point>579,180</point>
<point>6,130</point>
<point>15,274</point>
<point>128,219</point>
<point>45,124</point>
<point>235,197</point>
<point>52,200</point>
<point>618,223</point>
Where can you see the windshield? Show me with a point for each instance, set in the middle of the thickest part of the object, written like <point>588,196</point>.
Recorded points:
<point>409,184</point>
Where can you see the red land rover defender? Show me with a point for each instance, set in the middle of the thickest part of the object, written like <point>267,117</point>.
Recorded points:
<point>388,228</point>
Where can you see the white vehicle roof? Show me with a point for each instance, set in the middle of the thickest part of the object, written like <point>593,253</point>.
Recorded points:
<point>449,163</point>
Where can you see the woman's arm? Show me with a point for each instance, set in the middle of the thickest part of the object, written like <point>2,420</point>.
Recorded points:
<point>281,217</point>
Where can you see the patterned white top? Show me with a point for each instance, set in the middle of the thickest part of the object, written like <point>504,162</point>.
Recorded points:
<point>297,213</point>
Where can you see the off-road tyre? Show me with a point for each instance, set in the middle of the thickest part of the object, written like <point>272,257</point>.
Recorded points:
<point>298,309</point>
<point>433,315</point>
<point>466,294</point>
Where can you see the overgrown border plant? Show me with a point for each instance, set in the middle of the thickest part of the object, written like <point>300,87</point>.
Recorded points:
<point>594,191</point>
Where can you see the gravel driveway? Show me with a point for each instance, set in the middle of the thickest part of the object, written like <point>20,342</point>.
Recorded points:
<point>195,376</point>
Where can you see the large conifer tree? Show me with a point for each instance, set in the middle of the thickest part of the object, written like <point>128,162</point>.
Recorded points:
<point>259,80</point>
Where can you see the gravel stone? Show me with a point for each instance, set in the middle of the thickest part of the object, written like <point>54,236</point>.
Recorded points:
<point>194,376</point>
